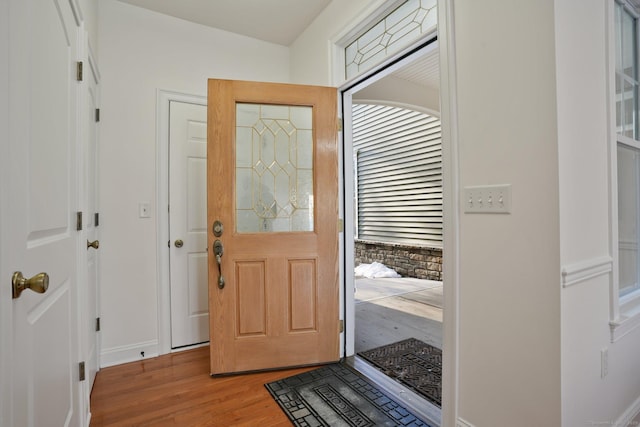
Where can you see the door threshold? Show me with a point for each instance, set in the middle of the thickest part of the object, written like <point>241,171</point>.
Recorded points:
<point>189,347</point>
<point>420,406</point>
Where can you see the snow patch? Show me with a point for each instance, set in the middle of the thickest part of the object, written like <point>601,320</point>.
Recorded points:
<point>375,270</point>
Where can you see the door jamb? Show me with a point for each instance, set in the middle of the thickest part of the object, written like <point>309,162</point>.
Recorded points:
<point>451,212</point>
<point>163,100</point>
<point>425,45</point>
<point>6,302</point>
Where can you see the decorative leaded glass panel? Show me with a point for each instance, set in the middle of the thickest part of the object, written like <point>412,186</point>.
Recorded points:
<point>274,168</point>
<point>396,30</point>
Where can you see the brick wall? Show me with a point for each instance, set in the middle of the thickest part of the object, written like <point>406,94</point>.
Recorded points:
<point>408,261</point>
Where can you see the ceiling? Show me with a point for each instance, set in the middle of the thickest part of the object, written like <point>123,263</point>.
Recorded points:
<point>275,21</point>
<point>425,71</point>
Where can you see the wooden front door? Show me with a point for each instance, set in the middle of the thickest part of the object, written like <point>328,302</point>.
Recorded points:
<point>273,186</point>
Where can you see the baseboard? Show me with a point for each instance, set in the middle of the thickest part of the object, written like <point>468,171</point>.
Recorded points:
<point>627,416</point>
<point>463,423</point>
<point>128,353</point>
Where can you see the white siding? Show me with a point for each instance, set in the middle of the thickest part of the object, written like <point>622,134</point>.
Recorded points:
<point>399,175</point>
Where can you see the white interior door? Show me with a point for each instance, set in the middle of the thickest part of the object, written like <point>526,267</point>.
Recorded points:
<point>89,185</point>
<point>188,223</point>
<point>41,200</point>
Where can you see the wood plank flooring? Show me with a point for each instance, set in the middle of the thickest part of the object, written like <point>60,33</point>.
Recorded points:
<point>177,390</point>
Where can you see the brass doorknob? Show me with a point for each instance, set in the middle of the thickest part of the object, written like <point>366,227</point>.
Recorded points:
<point>179,243</point>
<point>38,283</point>
<point>95,244</point>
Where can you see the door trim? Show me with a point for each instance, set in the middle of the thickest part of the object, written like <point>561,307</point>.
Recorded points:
<point>395,63</point>
<point>451,175</point>
<point>451,217</point>
<point>163,99</point>
<point>6,306</point>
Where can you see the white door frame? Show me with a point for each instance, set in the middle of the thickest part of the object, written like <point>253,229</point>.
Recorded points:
<point>349,177</point>
<point>451,211</point>
<point>163,99</point>
<point>6,311</point>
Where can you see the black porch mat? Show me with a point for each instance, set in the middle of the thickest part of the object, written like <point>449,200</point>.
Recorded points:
<point>413,363</point>
<point>337,396</point>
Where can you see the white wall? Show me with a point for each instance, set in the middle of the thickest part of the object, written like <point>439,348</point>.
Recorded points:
<point>509,313</point>
<point>584,193</point>
<point>140,52</point>
<point>311,53</point>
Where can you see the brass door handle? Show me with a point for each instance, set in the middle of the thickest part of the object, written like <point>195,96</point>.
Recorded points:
<point>218,250</point>
<point>38,283</point>
<point>179,243</point>
<point>95,244</point>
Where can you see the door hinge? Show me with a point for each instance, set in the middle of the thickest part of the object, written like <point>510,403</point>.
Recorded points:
<point>78,221</point>
<point>97,114</point>
<point>97,324</point>
<point>340,225</point>
<point>339,124</point>
<point>79,71</point>
<point>81,373</point>
<point>341,325</point>
<point>96,219</point>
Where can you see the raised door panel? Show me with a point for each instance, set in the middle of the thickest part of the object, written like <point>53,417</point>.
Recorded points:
<point>251,299</point>
<point>303,297</point>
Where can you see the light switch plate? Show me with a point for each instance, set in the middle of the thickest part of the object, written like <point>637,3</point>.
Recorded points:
<point>144,210</point>
<point>487,199</point>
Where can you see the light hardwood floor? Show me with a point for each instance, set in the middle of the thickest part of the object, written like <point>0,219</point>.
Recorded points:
<point>176,390</point>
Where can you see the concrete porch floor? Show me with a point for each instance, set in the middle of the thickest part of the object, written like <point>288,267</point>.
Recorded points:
<point>389,310</point>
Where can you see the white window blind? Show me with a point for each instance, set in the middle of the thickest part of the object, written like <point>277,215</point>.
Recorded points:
<point>399,175</point>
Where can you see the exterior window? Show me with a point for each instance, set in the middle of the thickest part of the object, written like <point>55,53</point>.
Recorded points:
<point>625,164</point>
<point>626,73</point>
<point>628,149</point>
<point>628,188</point>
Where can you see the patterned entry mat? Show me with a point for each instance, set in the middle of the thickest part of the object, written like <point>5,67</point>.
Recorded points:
<point>412,363</point>
<point>337,396</point>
